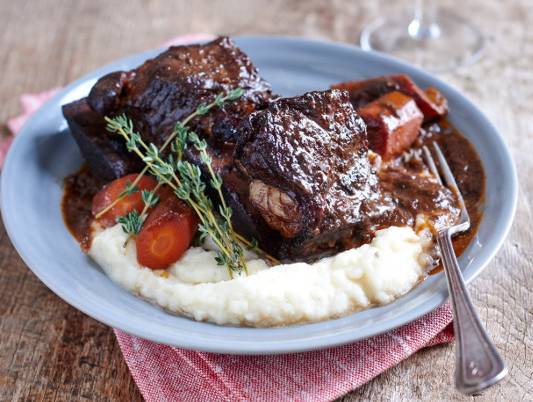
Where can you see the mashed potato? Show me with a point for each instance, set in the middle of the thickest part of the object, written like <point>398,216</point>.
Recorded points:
<point>373,274</point>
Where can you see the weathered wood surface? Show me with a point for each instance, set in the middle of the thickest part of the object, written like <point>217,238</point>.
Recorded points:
<point>50,351</point>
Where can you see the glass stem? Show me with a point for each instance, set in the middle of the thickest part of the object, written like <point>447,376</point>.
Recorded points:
<point>424,25</point>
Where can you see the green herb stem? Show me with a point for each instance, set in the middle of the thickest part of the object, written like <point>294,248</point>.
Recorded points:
<point>186,182</point>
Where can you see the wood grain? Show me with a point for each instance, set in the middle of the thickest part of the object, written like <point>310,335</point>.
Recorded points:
<point>49,351</point>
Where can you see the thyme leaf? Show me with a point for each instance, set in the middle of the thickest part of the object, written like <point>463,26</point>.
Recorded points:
<point>129,189</point>
<point>149,198</point>
<point>131,223</point>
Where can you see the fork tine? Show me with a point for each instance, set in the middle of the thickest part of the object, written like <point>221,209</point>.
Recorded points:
<point>450,180</point>
<point>431,164</point>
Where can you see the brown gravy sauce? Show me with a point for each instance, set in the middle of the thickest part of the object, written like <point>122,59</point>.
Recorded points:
<point>468,172</point>
<point>81,186</point>
<point>78,193</point>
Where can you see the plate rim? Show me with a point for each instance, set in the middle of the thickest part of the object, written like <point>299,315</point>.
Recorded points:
<point>289,346</point>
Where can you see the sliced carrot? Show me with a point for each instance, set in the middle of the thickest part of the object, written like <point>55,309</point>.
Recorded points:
<point>111,191</point>
<point>166,234</point>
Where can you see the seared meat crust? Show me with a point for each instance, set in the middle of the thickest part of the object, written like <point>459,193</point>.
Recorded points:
<point>161,92</point>
<point>308,154</point>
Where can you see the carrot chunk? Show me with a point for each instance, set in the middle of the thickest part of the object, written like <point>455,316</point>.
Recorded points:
<point>111,191</point>
<point>166,234</point>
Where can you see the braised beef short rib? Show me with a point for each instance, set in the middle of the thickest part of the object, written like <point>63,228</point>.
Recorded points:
<point>302,174</point>
<point>161,92</point>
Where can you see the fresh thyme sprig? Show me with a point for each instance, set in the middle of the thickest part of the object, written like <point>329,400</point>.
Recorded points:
<point>185,179</point>
<point>179,131</point>
<point>216,184</point>
<point>188,186</point>
<point>150,198</point>
<point>131,222</point>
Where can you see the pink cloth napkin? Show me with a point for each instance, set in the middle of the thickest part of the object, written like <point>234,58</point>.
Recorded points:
<point>165,373</point>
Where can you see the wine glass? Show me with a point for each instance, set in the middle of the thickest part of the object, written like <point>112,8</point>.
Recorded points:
<point>433,38</point>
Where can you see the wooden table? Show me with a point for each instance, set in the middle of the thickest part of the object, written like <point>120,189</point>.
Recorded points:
<point>50,351</point>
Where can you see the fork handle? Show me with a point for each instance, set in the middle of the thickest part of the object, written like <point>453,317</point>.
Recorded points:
<point>478,364</point>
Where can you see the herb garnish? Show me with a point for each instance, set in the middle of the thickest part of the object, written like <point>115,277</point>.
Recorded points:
<point>179,131</point>
<point>149,198</point>
<point>131,222</point>
<point>185,180</point>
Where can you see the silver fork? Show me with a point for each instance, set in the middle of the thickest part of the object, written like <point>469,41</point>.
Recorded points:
<point>478,364</point>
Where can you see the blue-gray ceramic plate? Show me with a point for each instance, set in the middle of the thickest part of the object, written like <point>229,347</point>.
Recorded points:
<point>44,153</point>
